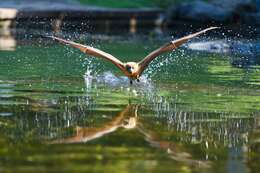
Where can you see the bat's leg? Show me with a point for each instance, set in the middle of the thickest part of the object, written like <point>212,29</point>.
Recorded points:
<point>137,79</point>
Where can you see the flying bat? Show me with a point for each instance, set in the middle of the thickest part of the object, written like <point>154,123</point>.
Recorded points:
<point>133,70</point>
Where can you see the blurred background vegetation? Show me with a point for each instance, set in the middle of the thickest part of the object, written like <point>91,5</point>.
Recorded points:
<point>131,3</point>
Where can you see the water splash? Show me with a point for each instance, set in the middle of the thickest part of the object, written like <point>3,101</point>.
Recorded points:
<point>108,79</point>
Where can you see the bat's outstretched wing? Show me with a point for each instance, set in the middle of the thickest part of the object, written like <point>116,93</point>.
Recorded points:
<point>92,51</point>
<point>168,47</point>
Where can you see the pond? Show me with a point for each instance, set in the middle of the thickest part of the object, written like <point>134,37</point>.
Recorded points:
<point>61,110</point>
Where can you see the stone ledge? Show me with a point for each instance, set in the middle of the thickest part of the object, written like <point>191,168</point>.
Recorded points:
<point>57,16</point>
<point>8,13</point>
<point>45,9</point>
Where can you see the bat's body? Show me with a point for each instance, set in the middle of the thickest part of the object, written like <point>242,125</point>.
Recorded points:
<point>133,70</point>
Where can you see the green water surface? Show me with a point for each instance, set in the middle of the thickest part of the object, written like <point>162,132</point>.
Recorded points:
<point>195,112</point>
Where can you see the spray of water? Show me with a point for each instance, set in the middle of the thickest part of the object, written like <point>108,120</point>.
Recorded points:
<point>108,79</point>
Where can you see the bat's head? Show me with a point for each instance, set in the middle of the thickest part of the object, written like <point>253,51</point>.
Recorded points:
<point>131,67</point>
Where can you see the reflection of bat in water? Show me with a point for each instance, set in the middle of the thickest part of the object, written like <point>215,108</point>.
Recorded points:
<point>84,134</point>
<point>132,70</point>
<point>128,118</point>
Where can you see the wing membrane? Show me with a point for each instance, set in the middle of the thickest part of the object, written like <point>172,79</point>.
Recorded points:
<point>91,51</point>
<point>168,47</point>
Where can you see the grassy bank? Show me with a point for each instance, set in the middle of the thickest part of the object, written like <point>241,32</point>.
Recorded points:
<point>130,3</point>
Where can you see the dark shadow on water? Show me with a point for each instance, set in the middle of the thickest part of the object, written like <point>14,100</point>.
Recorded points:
<point>243,54</point>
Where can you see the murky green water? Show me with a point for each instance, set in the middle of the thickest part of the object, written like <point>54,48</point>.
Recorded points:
<point>195,113</point>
